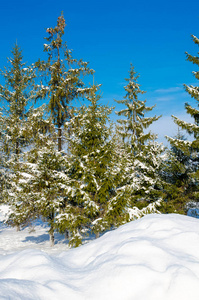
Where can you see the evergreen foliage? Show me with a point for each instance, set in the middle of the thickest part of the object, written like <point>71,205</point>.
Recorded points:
<point>176,174</point>
<point>17,95</point>
<point>141,181</point>
<point>20,125</point>
<point>18,195</point>
<point>91,154</point>
<point>105,176</point>
<point>45,184</point>
<point>189,150</point>
<point>64,77</point>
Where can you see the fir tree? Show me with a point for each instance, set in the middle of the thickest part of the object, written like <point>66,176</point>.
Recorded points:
<point>132,128</point>
<point>64,77</point>
<point>45,186</point>
<point>17,95</point>
<point>3,173</point>
<point>190,148</point>
<point>181,164</point>
<point>91,154</point>
<point>175,173</point>
<point>141,183</point>
<point>21,193</point>
<point>20,125</point>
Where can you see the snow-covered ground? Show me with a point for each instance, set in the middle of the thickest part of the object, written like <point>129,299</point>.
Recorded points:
<point>154,258</point>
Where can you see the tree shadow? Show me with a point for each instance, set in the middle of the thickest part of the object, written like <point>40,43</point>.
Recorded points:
<point>45,238</point>
<point>2,226</point>
<point>37,239</point>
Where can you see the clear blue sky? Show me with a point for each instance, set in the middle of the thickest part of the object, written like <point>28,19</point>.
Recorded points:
<point>152,35</point>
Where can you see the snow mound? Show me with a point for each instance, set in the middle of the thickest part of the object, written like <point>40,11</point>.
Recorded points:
<point>153,258</point>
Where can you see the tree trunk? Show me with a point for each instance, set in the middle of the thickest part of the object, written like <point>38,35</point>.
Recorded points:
<point>51,231</point>
<point>97,235</point>
<point>59,139</point>
<point>67,234</point>
<point>17,148</point>
<point>52,238</point>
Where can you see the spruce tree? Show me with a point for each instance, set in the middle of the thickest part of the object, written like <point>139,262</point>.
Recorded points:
<point>44,185</point>
<point>64,77</point>
<point>190,148</point>
<point>16,95</point>
<point>3,173</point>
<point>23,210</point>
<point>91,154</point>
<point>63,83</point>
<point>20,125</point>
<point>175,173</point>
<point>181,164</point>
<point>141,183</point>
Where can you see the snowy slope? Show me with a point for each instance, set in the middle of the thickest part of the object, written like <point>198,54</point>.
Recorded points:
<point>154,258</point>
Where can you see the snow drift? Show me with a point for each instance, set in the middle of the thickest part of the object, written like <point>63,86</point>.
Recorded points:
<point>153,258</point>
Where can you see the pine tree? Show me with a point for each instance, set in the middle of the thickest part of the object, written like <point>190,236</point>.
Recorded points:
<point>91,155</point>
<point>20,124</point>
<point>141,184</point>
<point>3,173</point>
<point>181,164</point>
<point>64,77</point>
<point>175,173</point>
<point>190,148</point>
<point>64,83</point>
<point>17,94</point>
<point>21,192</point>
<point>44,185</point>
<point>118,208</point>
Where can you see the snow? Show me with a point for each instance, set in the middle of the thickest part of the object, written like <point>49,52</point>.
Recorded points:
<point>153,258</point>
<point>136,213</point>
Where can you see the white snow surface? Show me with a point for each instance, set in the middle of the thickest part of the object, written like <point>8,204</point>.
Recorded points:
<point>153,258</point>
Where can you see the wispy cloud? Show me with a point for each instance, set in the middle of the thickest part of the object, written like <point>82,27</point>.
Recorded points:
<point>165,98</point>
<point>169,100</point>
<point>176,89</point>
<point>169,94</point>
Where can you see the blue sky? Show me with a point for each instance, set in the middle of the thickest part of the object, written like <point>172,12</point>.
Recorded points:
<point>152,35</point>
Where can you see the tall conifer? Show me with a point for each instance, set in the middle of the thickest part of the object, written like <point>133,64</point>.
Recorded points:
<point>190,148</point>
<point>91,152</point>
<point>17,95</point>
<point>20,125</point>
<point>141,181</point>
<point>64,77</point>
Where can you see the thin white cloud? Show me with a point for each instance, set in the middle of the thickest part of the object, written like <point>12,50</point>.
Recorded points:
<point>174,95</point>
<point>176,89</point>
<point>165,98</point>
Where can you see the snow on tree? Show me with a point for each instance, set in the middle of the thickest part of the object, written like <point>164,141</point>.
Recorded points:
<point>22,209</point>
<point>43,187</point>
<point>20,124</point>
<point>175,173</point>
<point>141,154</point>
<point>188,147</point>
<point>180,163</point>
<point>17,95</point>
<point>64,77</point>
<point>46,185</point>
<point>91,153</point>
